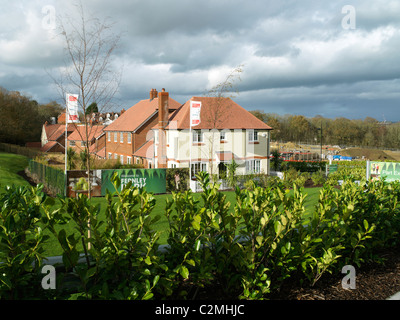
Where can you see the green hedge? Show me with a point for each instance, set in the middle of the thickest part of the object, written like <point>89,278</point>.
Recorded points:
<point>247,253</point>
<point>304,166</point>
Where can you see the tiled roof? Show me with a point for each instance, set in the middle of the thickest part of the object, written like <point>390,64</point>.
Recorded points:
<point>79,133</point>
<point>216,113</point>
<point>146,150</point>
<point>225,155</point>
<point>48,146</point>
<point>136,115</point>
<point>55,131</point>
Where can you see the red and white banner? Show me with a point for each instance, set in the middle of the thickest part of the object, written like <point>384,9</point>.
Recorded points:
<point>195,108</point>
<point>72,108</point>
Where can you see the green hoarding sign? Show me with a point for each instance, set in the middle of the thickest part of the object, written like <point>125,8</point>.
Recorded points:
<point>389,170</point>
<point>331,168</point>
<point>152,180</point>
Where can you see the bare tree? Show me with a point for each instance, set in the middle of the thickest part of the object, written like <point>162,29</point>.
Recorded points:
<point>88,70</point>
<point>218,109</point>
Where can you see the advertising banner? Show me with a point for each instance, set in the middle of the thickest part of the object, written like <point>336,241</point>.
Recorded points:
<point>389,170</point>
<point>152,180</point>
<point>195,108</point>
<point>72,108</point>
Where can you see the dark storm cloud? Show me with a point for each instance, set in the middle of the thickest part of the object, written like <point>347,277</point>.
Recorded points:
<point>297,57</point>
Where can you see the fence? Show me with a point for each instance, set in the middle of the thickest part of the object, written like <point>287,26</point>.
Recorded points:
<point>24,151</point>
<point>53,179</point>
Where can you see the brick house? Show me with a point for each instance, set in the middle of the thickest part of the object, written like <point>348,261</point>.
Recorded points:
<point>53,137</point>
<point>132,129</point>
<point>77,139</point>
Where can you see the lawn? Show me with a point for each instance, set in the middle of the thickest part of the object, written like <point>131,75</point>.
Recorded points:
<point>10,165</point>
<point>53,247</point>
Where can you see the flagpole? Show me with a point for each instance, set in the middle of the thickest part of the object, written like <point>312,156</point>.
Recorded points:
<point>66,144</point>
<point>191,142</point>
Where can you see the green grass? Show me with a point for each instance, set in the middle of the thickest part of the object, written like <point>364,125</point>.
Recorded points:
<point>53,248</point>
<point>10,165</point>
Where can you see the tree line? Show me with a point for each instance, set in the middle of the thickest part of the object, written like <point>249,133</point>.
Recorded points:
<point>22,118</point>
<point>368,132</point>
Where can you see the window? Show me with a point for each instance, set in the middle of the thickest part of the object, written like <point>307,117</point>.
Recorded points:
<point>83,143</point>
<point>109,155</point>
<point>129,160</point>
<point>115,137</point>
<point>72,143</point>
<point>222,136</point>
<point>109,136</point>
<point>197,167</point>
<point>121,137</point>
<point>197,136</point>
<point>115,156</point>
<point>121,159</point>
<point>253,166</point>
<point>138,160</point>
<point>253,136</point>
<point>129,137</point>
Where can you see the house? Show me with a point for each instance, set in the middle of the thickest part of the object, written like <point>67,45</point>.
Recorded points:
<point>226,131</point>
<point>103,118</point>
<point>132,129</point>
<point>96,139</point>
<point>53,137</point>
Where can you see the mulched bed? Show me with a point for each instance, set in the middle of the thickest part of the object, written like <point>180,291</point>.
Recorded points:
<point>373,282</point>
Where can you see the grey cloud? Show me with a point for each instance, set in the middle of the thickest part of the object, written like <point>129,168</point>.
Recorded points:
<point>297,57</point>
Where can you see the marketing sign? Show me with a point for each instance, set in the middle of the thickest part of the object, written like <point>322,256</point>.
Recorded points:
<point>72,108</point>
<point>331,168</point>
<point>152,180</point>
<point>389,170</point>
<point>195,108</point>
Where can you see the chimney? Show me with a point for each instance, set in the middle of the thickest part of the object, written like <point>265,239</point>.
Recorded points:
<point>153,94</point>
<point>122,111</point>
<point>163,98</point>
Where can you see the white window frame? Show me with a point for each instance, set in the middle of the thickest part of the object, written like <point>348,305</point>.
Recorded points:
<point>222,136</point>
<point>115,156</point>
<point>121,159</point>
<point>253,136</point>
<point>129,160</point>
<point>121,137</point>
<point>129,138</point>
<point>109,136</point>
<point>115,136</point>
<point>197,136</point>
<point>253,166</point>
<point>109,155</point>
<point>198,166</point>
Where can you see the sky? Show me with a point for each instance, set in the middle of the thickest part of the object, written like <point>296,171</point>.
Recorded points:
<point>328,58</point>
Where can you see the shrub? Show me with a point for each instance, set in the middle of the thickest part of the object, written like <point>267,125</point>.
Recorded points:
<point>318,178</point>
<point>247,252</point>
<point>21,241</point>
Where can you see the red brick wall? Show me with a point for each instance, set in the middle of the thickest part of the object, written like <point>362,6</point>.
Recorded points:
<point>121,148</point>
